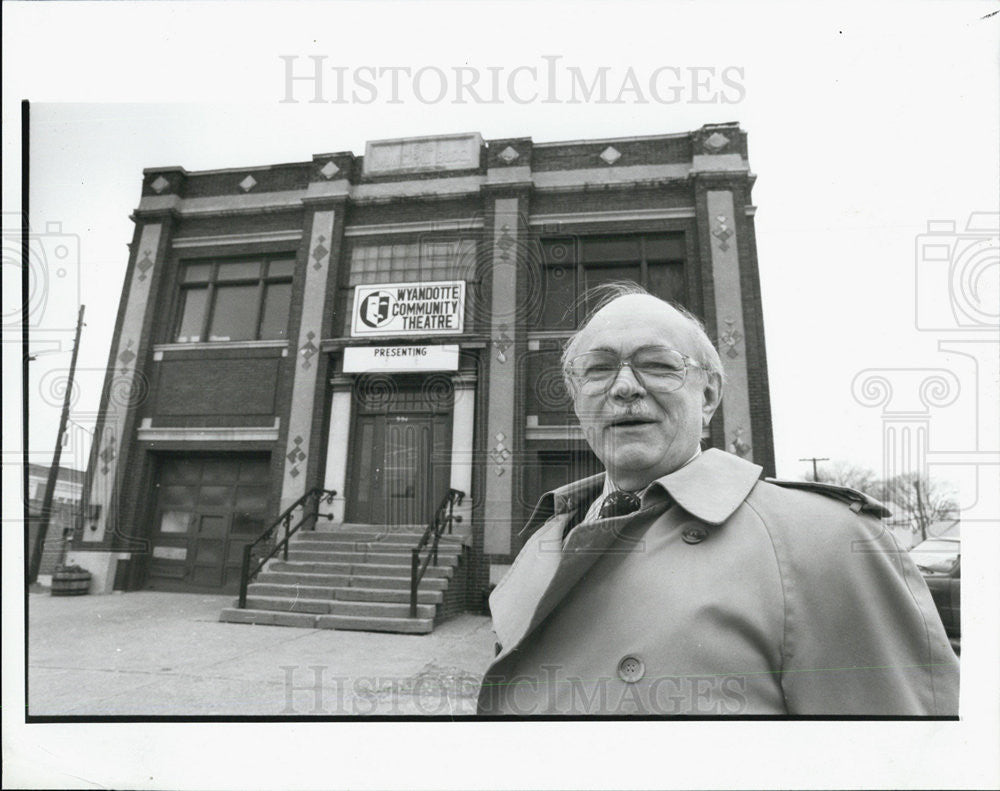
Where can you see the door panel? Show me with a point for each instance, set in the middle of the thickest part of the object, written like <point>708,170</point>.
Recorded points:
<point>207,509</point>
<point>401,460</point>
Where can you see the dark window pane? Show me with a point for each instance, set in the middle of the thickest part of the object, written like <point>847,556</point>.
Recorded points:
<point>197,273</point>
<point>254,470</point>
<point>192,314</point>
<point>248,525</point>
<point>252,499</point>
<point>274,324</point>
<point>622,249</point>
<point>239,270</point>
<point>595,275</point>
<point>559,302</point>
<point>215,496</point>
<point>666,281</point>
<point>180,470</point>
<point>176,496</point>
<point>282,268</point>
<point>219,470</point>
<point>665,247</point>
<point>235,314</point>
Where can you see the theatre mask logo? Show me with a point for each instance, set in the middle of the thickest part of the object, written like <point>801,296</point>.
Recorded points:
<point>374,309</point>
<point>401,309</point>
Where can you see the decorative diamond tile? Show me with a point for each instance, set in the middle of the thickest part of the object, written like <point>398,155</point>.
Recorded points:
<point>611,155</point>
<point>127,356</point>
<point>329,170</point>
<point>499,453</point>
<point>505,242</point>
<point>248,183</point>
<point>295,455</point>
<point>502,344</point>
<point>107,456</point>
<point>159,184</point>
<point>715,142</point>
<point>722,232</point>
<point>308,349</point>
<point>144,264</point>
<point>738,445</point>
<point>508,155</point>
<point>730,339</point>
<point>319,253</point>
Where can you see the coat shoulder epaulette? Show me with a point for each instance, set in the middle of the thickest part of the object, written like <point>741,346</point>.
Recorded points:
<point>859,502</point>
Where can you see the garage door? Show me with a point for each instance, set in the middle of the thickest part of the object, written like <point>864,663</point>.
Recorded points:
<point>207,509</point>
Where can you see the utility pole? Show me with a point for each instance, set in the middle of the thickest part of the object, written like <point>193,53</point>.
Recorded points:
<point>813,459</point>
<point>50,488</point>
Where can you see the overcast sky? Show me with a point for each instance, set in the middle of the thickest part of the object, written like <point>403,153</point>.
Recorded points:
<point>857,136</point>
<point>865,123</point>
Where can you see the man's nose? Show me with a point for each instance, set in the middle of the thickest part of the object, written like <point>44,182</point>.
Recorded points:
<point>626,385</point>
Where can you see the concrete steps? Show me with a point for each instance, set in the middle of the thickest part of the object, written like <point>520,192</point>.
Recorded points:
<point>354,577</point>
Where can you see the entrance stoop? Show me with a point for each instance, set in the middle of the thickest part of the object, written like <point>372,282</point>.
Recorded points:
<point>356,577</point>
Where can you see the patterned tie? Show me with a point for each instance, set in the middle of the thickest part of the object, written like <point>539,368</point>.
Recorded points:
<point>619,503</point>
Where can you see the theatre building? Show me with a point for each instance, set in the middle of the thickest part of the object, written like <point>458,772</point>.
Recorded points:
<point>388,327</point>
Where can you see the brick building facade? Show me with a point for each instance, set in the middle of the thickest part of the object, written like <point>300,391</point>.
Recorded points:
<point>388,326</point>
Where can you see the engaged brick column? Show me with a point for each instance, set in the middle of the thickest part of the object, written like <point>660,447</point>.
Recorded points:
<point>125,387</point>
<point>729,328</point>
<point>302,406</point>
<point>502,385</point>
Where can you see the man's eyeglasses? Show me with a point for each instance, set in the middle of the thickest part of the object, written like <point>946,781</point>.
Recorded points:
<point>657,368</point>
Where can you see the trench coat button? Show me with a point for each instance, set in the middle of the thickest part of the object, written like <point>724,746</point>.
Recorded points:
<point>694,535</point>
<point>631,669</point>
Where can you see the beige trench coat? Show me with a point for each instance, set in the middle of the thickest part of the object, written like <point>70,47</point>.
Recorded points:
<point>724,594</point>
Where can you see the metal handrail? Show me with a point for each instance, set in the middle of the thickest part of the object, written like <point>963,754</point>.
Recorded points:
<point>246,574</point>
<point>443,517</point>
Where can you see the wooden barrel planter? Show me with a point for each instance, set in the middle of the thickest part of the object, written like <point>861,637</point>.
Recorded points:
<point>71,581</point>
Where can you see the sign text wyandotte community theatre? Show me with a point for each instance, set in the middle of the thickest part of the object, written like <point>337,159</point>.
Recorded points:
<point>430,308</point>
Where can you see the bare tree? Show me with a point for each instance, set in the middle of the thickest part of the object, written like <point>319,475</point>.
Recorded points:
<point>842,473</point>
<point>921,500</point>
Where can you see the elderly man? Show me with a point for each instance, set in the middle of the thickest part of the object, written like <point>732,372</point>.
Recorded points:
<point>679,582</point>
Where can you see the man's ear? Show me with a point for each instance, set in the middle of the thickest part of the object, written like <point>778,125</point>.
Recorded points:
<point>711,397</point>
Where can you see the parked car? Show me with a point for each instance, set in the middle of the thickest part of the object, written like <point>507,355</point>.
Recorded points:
<point>940,561</point>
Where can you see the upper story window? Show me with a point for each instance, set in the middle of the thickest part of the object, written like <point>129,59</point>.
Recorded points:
<point>238,300</point>
<point>574,264</point>
<point>409,262</point>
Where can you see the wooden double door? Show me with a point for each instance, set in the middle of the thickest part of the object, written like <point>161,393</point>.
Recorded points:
<point>400,457</point>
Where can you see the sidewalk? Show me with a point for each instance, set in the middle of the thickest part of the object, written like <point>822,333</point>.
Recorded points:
<point>149,653</point>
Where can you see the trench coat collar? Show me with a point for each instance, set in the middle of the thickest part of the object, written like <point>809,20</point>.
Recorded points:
<point>710,488</point>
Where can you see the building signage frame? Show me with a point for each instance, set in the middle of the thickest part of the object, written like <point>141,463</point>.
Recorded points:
<point>400,359</point>
<point>408,309</point>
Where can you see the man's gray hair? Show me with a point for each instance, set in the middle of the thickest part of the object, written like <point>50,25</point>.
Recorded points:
<point>606,293</point>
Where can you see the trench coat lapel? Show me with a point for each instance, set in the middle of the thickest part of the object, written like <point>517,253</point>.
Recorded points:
<point>535,587</point>
<point>710,488</point>
<point>514,600</point>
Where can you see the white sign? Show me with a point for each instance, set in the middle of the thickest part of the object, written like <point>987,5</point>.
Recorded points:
<point>436,308</point>
<point>393,359</point>
<point>443,152</point>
